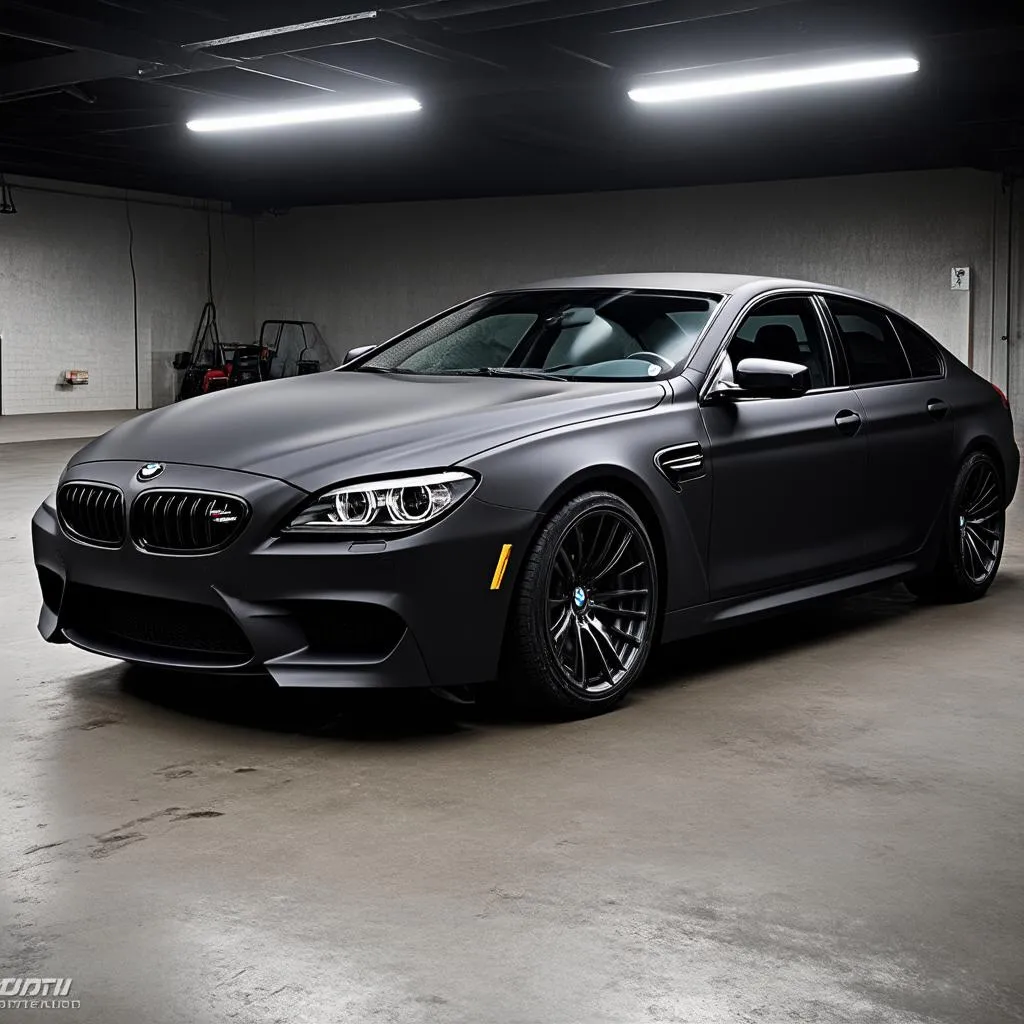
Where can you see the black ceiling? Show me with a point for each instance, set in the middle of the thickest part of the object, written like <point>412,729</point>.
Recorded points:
<point>519,96</point>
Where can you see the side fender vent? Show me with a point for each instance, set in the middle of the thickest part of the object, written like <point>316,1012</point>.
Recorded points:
<point>680,463</point>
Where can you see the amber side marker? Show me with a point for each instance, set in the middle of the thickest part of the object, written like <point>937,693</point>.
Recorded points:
<point>499,570</point>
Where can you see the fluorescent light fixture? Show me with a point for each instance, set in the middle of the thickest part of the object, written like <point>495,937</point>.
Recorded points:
<point>765,81</point>
<point>306,115</point>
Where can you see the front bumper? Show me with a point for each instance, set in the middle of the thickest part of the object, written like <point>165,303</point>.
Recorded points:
<point>310,611</point>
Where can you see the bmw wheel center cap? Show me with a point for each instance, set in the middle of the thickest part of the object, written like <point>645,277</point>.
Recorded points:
<point>579,598</point>
<point>150,470</point>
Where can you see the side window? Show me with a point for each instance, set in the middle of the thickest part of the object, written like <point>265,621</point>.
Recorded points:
<point>873,351</point>
<point>787,329</point>
<point>921,350</point>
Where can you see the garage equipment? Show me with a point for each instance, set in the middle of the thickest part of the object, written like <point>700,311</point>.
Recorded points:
<point>285,348</point>
<point>204,362</point>
<point>298,348</point>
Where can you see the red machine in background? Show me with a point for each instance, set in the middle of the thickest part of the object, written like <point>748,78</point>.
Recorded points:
<point>285,348</point>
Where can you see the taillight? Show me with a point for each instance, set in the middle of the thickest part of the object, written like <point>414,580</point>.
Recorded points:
<point>1002,396</point>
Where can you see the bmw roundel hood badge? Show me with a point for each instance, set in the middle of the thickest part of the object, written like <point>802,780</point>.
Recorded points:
<point>150,471</point>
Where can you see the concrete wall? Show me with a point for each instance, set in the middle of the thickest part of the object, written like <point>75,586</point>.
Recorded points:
<point>1013,323</point>
<point>66,293</point>
<point>366,272</point>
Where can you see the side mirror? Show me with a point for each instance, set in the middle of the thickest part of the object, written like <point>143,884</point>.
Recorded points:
<point>355,353</point>
<point>772,378</point>
<point>182,360</point>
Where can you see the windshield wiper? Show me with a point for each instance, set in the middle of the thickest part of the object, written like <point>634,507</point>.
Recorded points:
<point>505,371</point>
<point>380,369</point>
<point>479,371</point>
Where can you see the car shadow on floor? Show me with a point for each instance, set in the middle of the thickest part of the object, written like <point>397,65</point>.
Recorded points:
<point>257,703</point>
<point>821,622</point>
<point>397,715</point>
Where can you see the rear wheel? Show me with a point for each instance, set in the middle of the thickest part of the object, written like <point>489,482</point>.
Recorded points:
<point>974,532</point>
<point>583,618</point>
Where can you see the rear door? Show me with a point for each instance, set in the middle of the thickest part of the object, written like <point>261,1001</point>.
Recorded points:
<point>788,473</point>
<point>899,377</point>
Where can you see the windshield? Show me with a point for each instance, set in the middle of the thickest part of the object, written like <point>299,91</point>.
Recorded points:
<point>592,334</point>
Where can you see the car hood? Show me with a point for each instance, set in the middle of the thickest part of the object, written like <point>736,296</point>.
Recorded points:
<point>316,430</point>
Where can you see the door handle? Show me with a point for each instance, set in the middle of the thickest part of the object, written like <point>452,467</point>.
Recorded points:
<point>937,409</point>
<point>847,422</point>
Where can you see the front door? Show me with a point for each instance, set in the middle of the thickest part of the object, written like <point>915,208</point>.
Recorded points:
<point>788,473</point>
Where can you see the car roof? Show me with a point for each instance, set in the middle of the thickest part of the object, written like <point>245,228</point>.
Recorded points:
<point>717,284</point>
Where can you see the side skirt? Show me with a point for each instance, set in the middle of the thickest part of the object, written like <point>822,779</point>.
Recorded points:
<point>731,611</point>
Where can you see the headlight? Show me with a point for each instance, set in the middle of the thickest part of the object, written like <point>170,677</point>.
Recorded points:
<point>385,506</point>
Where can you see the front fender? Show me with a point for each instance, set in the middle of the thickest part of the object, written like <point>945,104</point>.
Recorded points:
<point>539,473</point>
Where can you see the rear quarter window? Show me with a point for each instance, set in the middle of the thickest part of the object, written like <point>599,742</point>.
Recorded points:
<point>922,351</point>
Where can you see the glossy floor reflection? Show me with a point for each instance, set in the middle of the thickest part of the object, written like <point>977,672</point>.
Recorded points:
<point>817,818</point>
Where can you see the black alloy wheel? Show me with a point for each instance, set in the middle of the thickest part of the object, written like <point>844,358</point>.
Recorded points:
<point>981,522</point>
<point>585,611</point>
<point>974,534</point>
<point>599,600</point>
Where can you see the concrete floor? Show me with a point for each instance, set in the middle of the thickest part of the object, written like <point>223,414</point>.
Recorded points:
<point>816,820</point>
<point>51,426</point>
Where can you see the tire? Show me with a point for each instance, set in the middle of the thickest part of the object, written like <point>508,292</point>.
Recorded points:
<point>974,533</point>
<point>589,584</point>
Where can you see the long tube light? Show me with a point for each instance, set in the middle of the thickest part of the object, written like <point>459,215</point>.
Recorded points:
<point>765,81</point>
<point>306,115</point>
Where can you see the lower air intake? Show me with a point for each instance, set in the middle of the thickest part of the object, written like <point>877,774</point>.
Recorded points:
<point>157,629</point>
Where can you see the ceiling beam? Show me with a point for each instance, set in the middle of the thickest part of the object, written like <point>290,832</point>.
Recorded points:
<point>119,53</point>
<point>23,21</point>
<point>309,36</point>
<point>281,30</point>
<point>600,15</point>
<point>187,85</point>
<point>501,58</point>
<point>435,41</point>
<point>315,74</point>
<point>104,52</point>
<point>51,73</point>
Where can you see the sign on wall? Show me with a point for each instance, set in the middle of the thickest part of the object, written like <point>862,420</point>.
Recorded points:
<point>960,279</point>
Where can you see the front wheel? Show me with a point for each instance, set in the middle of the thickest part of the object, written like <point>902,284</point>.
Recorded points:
<point>583,618</point>
<point>974,531</point>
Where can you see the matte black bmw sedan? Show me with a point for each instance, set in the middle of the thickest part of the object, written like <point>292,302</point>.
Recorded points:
<point>533,488</point>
